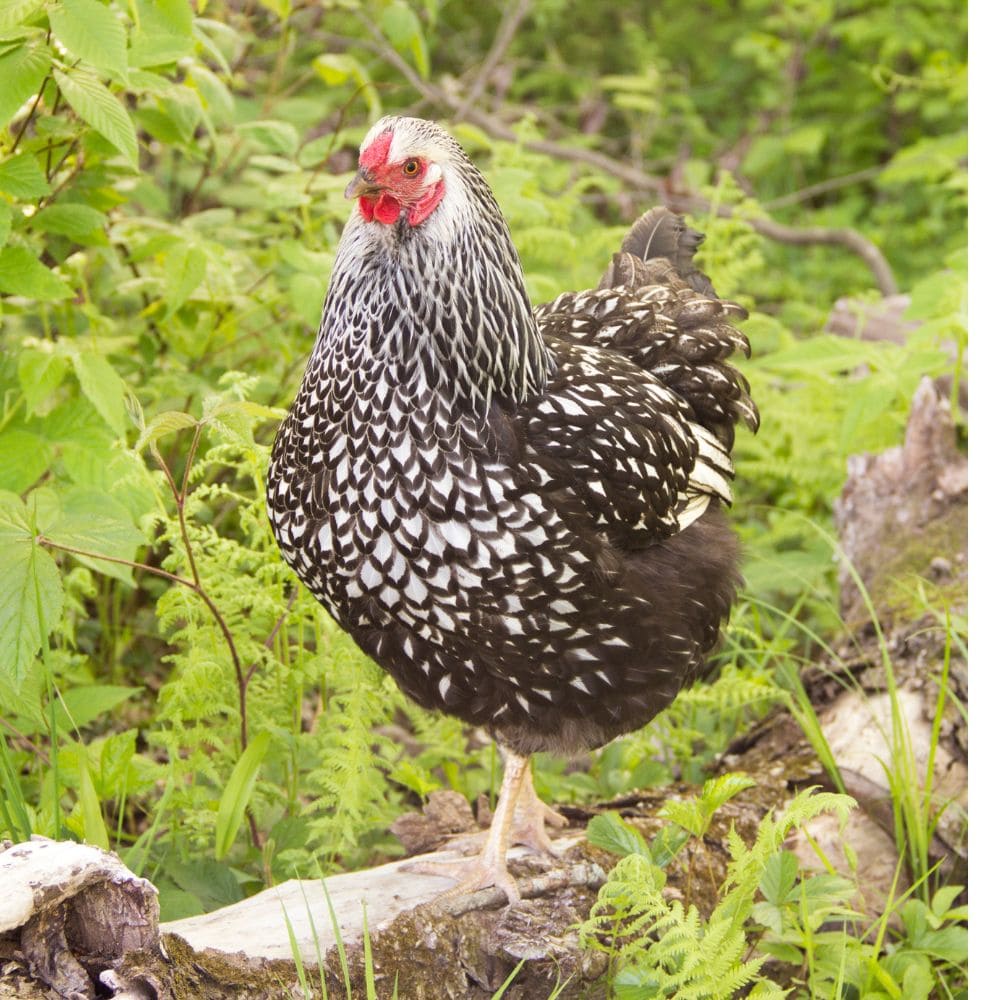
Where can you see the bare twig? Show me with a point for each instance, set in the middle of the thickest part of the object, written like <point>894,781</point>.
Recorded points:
<point>850,239</point>
<point>184,582</point>
<point>30,115</point>
<point>18,735</point>
<point>513,15</point>
<point>824,187</point>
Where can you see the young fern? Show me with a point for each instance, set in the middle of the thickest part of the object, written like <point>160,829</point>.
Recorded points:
<point>672,951</point>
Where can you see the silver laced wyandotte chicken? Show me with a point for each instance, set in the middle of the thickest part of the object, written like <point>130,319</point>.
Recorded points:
<point>515,512</point>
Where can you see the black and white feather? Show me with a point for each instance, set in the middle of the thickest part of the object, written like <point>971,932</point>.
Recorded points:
<point>516,512</point>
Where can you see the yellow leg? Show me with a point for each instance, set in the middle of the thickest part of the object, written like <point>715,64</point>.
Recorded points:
<point>490,866</point>
<point>530,818</point>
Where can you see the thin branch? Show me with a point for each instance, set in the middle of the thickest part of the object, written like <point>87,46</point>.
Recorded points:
<point>850,239</point>
<point>824,187</point>
<point>513,15</point>
<point>30,115</point>
<point>184,582</point>
<point>35,748</point>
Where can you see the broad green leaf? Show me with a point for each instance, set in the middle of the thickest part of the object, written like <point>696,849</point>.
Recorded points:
<point>399,23</point>
<point>31,593</point>
<point>22,274</point>
<point>335,68</point>
<point>780,872</point>
<point>22,177</point>
<point>91,32</point>
<point>667,843</point>
<point>117,754</point>
<point>185,269</point>
<point>217,97</point>
<point>102,385</point>
<point>184,109</point>
<point>40,373</point>
<point>5,222</point>
<point>210,882</point>
<point>148,49</point>
<point>943,898</point>
<point>25,457</point>
<point>611,833</point>
<point>168,422</point>
<point>80,222</point>
<point>402,26</point>
<point>79,706</point>
<point>236,794</point>
<point>97,523</point>
<point>274,136</point>
<point>175,16</point>
<point>634,983</point>
<point>98,107</point>
<point>16,12</point>
<point>22,70</point>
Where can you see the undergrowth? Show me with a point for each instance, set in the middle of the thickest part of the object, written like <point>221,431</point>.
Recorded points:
<point>171,184</point>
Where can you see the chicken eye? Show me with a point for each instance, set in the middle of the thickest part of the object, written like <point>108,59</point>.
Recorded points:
<point>411,168</point>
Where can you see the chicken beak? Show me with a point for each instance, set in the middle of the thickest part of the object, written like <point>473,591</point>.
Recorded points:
<point>361,185</point>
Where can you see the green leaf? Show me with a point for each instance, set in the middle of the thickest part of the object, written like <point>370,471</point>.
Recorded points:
<point>634,983</point>
<point>25,459</point>
<point>185,270</point>
<point>400,24</point>
<point>718,791</point>
<point>31,593</point>
<point>80,222</point>
<point>6,219</point>
<point>98,523</point>
<point>22,70</point>
<point>97,106</point>
<point>148,49</point>
<point>667,844</point>
<point>335,68</point>
<point>168,422</point>
<point>40,373</point>
<point>15,12</point>
<point>403,28</point>
<point>80,706</point>
<point>22,274</point>
<point>780,873</point>
<point>236,795</point>
<point>611,833</point>
<point>274,136</point>
<point>22,177</point>
<point>102,385</point>
<point>91,32</point>
<point>943,898</point>
<point>176,16</point>
<point>94,830</point>
<point>684,814</point>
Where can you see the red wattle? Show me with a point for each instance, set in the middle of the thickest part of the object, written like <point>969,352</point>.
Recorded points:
<point>421,209</point>
<point>367,206</point>
<point>387,208</point>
